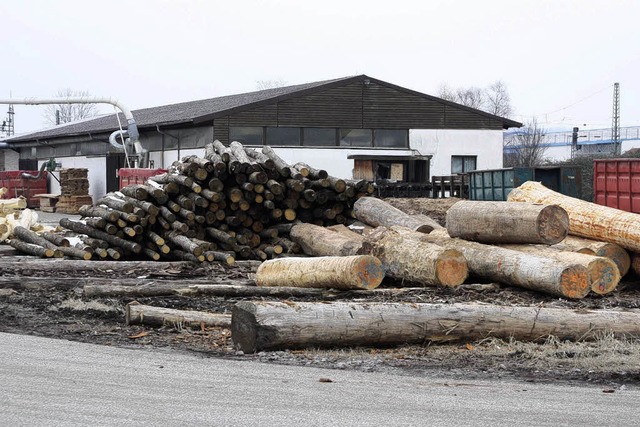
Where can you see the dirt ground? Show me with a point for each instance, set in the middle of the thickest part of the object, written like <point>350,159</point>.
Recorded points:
<point>42,309</point>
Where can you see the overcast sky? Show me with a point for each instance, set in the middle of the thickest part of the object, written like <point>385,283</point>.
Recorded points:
<point>558,58</point>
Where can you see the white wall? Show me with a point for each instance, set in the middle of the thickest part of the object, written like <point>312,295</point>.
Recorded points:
<point>444,143</point>
<point>96,174</point>
<point>11,160</point>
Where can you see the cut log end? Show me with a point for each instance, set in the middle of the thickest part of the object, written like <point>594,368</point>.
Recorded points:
<point>451,268</point>
<point>618,255</point>
<point>369,271</point>
<point>574,282</point>
<point>553,224</point>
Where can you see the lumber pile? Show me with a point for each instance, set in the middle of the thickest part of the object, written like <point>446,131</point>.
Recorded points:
<point>232,203</point>
<point>74,190</point>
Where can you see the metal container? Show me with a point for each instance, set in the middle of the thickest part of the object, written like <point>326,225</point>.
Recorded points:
<point>495,184</point>
<point>129,176</point>
<point>616,183</point>
<point>28,188</point>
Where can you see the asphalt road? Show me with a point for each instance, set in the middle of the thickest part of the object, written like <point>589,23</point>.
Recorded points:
<point>60,383</point>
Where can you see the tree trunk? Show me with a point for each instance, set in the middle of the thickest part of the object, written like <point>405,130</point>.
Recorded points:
<point>351,272</point>
<point>515,268</point>
<point>31,249</point>
<point>377,213</point>
<point>78,227</point>
<point>614,252</point>
<point>603,272</point>
<point>319,241</point>
<point>257,326</point>
<point>499,222</point>
<point>29,236</point>
<point>417,261</point>
<point>45,268</point>
<point>139,314</point>
<point>586,219</point>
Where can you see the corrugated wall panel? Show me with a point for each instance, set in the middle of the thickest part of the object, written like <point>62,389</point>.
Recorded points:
<point>261,116</point>
<point>456,118</point>
<point>337,107</point>
<point>221,129</point>
<point>387,108</point>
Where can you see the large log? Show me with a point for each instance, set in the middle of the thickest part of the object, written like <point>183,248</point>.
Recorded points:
<point>416,261</point>
<point>29,236</point>
<point>319,241</point>
<point>377,213</point>
<point>257,326</point>
<point>603,272</point>
<point>78,227</point>
<point>500,222</point>
<point>349,272</point>
<point>514,268</point>
<point>614,252</point>
<point>586,219</point>
<point>45,268</point>
<point>31,249</point>
<point>139,314</point>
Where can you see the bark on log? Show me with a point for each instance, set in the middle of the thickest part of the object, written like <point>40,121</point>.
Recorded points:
<point>603,272</point>
<point>513,267</point>
<point>499,222</point>
<point>352,272</point>
<point>376,212</point>
<point>257,326</point>
<point>281,166</point>
<point>614,252</point>
<point>29,236</point>
<point>113,202</point>
<point>139,314</point>
<point>56,239</point>
<point>99,234</point>
<point>31,249</point>
<point>319,241</point>
<point>586,219</point>
<point>417,261</point>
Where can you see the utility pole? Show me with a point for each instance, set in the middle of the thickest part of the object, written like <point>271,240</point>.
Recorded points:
<point>7,128</point>
<point>615,119</point>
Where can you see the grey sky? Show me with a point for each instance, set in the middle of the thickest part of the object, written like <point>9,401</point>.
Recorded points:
<point>551,53</point>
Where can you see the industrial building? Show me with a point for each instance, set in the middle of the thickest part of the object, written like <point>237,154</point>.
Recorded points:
<point>358,127</point>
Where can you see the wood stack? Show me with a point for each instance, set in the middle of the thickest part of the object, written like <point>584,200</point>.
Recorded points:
<point>74,190</point>
<point>233,203</point>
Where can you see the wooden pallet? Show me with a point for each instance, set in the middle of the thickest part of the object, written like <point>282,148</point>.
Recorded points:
<point>48,202</point>
<point>72,204</point>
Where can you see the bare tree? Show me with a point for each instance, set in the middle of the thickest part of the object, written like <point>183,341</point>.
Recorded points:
<point>497,99</point>
<point>493,99</point>
<point>64,113</point>
<point>270,84</point>
<point>525,147</point>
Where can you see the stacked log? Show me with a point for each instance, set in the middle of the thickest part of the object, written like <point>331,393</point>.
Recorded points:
<point>232,203</point>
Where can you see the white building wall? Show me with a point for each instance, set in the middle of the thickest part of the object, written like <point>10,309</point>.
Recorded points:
<point>11,160</point>
<point>444,143</point>
<point>96,174</point>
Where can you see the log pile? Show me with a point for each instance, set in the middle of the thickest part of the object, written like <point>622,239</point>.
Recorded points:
<point>232,203</point>
<point>74,190</point>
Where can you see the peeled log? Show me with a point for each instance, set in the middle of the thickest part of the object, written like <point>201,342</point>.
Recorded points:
<point>500,222</point>
<point>614,252</point>
<point>257,326</point>
<point>603,272</point>
<point>137,314</point>
<point>319,241</point>
<point>349,272</point>
<point>417,261</point>
<point>377,213</point>
<point>586,219</point>
<point>515,268</point>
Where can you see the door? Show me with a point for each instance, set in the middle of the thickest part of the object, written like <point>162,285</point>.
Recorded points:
<point>114,162</point>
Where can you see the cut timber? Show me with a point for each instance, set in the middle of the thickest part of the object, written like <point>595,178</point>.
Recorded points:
<point>137,314</point>
<point>31,249</point>
<point>515,268</point>
<point>586,219</point>
<point>44,268</point>
<point>349,272</point>
<point>614,252</point>
<point>29,236</point>
<point>603,272</point>
<point>500,222</point>
<point>417,261</point>
<point>376,212</point>
<point>257,326</point>
<point>319,241</point>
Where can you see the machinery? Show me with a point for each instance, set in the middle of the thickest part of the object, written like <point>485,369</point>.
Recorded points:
<point>129,136</point>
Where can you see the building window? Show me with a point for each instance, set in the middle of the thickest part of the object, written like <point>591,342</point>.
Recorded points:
<point>391,138</point>
<point>249,135</point>
<point>356,138</point>
<point>283,136</point>
<point>463,164</point>
<point>319,137</point>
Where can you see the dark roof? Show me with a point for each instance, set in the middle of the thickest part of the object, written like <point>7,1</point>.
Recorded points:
<point>207,109</point>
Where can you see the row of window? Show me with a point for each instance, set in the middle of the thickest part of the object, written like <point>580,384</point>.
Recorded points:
<point>320,137</point>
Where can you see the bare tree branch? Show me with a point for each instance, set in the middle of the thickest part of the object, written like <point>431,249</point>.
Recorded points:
<point>494,99</point>
<point>497,99</point>
<point>525,147</point>
<point>69,112</point>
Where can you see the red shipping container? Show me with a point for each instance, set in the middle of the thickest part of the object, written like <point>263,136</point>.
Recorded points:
<point>616,183</point>
<point>28,188</point>
<point>129,176</point>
